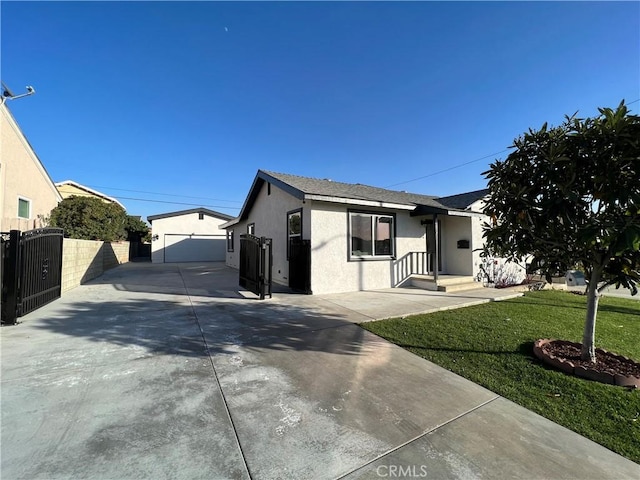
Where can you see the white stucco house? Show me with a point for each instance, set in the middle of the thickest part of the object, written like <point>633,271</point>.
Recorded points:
<point>188,236</point>
<point>362,237</point>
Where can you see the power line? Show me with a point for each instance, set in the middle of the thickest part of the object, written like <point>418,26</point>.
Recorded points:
<point>166,194</point>
<point>158,201</point>
<point>448,169</point>
<point>177,203</point>
<point>467,163</point>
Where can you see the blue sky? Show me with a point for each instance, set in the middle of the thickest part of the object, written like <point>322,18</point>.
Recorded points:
<point>190,99</point>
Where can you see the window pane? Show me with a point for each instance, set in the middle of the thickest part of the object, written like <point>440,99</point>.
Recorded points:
<point>23,208</point>
<point>383,235</point>
<point>295,224</point>
<point>361,235</point>
<point>229,240</point>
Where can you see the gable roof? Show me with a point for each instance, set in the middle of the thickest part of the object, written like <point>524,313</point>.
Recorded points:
<point>306,188</point>
<point>202,210</point>
<point>29,149</point>
<point>90,191</point>
<point>328,189</point>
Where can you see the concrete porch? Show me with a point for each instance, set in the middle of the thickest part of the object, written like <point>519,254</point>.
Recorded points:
<point>444,283</point>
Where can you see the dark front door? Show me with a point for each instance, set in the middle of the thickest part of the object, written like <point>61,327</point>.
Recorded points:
<point>300,265</point>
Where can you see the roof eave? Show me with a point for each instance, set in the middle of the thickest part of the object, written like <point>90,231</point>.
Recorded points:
<point>431,210</point>
<point>259,180</point>
<point>230,223</point>
<point>30,151</point>
<point>179,213</point>
<point>91,191</point>
<point>358,201</point>
<point>299,194</point>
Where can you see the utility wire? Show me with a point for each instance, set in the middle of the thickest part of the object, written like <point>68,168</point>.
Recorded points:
<point>467,163</point>
<point>177,203</point>
<point>448,169</point>
<point>158,201</point>
<point>165,194</point>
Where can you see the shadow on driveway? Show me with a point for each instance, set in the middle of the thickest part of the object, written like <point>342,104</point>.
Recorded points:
<point>170,309</point>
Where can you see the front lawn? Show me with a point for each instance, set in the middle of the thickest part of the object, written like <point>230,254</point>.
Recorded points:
<point>492,345</point>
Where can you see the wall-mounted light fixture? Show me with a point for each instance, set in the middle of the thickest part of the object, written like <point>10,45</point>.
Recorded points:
<point>7,94</point>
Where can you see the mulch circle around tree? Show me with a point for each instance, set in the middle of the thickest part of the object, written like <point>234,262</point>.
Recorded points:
<point>609,367</point>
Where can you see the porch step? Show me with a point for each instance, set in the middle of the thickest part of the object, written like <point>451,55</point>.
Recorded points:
<point>446,283</point>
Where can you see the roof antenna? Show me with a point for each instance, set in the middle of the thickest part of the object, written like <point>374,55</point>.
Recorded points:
<point>7,94</point>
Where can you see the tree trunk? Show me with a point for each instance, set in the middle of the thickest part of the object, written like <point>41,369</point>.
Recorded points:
<point>588,344</point>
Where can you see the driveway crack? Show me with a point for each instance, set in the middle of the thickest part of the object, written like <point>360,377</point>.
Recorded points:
<point>418,437</point>
<point>215,375</point>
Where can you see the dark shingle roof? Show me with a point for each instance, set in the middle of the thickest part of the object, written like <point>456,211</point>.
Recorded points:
<point>303,187</point>
<point>329,188</point>
<point>463,200</point>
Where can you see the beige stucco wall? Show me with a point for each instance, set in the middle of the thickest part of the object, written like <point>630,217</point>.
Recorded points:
<point>22,175</point>
<point>83,260</point>
<point>67,191</point>
<point>269,213</point>
<point>332,272</point>
<point>187,224</point>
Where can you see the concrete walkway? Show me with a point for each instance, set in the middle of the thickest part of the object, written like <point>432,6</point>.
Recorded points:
<point>165,371</point>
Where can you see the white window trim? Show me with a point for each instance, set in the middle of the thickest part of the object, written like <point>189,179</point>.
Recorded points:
<point>30,207</point>
<point>373,215</point>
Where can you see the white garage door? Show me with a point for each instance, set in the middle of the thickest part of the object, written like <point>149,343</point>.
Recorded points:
<point>194,248</point>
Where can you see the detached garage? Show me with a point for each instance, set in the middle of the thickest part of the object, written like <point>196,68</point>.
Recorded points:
<point>188,236</point>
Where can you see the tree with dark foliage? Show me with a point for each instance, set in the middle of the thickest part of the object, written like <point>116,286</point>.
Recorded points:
<point>570,195</point>
<point>89,218</point>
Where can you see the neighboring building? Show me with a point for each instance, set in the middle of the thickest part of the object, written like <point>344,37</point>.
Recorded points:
<point>69,188</point>
<point>27,193</point>
<point>361,237</point>
<point>188,236</point>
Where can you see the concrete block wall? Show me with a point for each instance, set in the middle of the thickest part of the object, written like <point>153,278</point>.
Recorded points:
<point>113,254</point>
<point>83,260</point>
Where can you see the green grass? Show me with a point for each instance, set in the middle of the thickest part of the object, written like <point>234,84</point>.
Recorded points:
<point>492,345</point>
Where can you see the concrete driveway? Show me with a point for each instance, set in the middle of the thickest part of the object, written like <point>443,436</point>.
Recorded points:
<point>165,371</point>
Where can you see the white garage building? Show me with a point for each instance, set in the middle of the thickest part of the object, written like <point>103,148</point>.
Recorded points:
<point>188,236</point>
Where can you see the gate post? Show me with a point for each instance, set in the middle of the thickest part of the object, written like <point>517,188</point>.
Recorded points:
<point>11,280</point>
<point>266,263</point>
<point>261,269</point>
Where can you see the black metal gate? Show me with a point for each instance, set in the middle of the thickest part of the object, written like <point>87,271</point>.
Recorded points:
<point>255,264</point>
<point>300,265</point>
<point>31,271</point>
